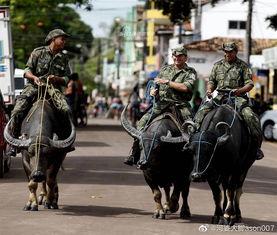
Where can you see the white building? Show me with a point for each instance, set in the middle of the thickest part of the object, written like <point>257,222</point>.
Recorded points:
<point>228,19</point>
<point>225,22</point>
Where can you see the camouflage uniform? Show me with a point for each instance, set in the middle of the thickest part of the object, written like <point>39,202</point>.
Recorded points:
<point>227,76</point>
<point>168,96</point>
<point>42,63</point>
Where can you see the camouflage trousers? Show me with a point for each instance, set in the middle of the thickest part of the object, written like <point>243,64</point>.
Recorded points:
<point>251,119</point>
<point>25,101</point>
<point>158,108</point>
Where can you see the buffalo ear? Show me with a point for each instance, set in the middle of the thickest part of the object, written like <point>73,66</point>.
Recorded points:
<point>226,135</point>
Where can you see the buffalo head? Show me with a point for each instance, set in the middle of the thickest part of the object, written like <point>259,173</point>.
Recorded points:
<point>204,146</point>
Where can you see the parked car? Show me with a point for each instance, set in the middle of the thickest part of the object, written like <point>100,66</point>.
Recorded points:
<point>19,81</point>
<point>269,124</point>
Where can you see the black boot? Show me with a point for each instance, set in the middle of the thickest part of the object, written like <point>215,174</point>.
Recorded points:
<point>135,154</point>
<point>260,154</point>
<point>257,142</point>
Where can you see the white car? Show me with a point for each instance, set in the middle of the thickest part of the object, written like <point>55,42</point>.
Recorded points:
<point>19,81</point>
<point>269,124</point>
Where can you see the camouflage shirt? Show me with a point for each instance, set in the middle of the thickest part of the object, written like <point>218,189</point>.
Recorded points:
<point>186,76</point>
<point>42,62</point>
<point>230,76</point>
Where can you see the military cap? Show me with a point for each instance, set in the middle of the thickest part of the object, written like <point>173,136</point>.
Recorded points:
<point>229,46</point>
<point>55,33</point>
<point>179,50</point>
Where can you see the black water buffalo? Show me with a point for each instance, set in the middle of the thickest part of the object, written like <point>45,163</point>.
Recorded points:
<point>42,152</point>
<point>167,166</point>
<point>223,154</point>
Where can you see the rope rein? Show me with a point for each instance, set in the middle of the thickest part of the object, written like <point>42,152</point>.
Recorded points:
<point>38,138</point>
<point>146,156</point>
<point>228,102</point>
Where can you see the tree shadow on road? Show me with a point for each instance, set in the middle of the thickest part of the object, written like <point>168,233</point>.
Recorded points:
<point>108,128</point>
<point>102,211</point>
<point>90,144</point>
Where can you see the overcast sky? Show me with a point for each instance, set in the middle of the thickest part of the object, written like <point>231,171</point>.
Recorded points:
<point>104,12</point>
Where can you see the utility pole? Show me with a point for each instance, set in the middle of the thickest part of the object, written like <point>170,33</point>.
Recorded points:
<point>99,77</point>
<point>118,51</point>
<point>248,32</point>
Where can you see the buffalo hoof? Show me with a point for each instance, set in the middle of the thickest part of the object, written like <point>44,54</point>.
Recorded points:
<point>55,207</point>
<point>167,211</point>
<point>233,220</point>
<point>155,216</point>
<point>185,215</point>
<point>226,221</point>
<point>221,221</point>
<point>162,216</point>
<point>47,205</point>
<point>27,208</point>
<point>216,219</point>
<point>34,208</point>
<point>239,219</point>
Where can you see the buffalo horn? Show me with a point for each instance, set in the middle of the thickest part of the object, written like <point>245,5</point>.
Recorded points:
<point>14,141</point>
<point>61,144</point>
<point>126,125</point>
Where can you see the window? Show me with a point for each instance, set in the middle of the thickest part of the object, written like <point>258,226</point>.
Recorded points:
<point>237,24</point>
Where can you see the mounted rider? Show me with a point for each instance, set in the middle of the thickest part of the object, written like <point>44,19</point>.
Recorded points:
<point>46,62</point>
<point>175,85</point>
<point>234,75</point>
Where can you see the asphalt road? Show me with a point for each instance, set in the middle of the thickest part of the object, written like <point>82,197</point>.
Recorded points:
<point>100,195</point>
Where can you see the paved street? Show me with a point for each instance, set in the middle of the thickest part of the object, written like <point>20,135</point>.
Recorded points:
<point>100,195</point>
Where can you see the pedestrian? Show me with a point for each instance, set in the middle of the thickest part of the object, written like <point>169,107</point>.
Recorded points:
<point>231,73</point>
<point>45,64</point>
<point>175,85</point>
<point>134,100</point>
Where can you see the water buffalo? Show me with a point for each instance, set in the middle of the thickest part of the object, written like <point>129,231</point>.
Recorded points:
<point>167,166</point>
<point>43,152</point>
<point>223,154</point>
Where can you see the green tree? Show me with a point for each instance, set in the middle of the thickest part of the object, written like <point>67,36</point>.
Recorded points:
<point>32,20</point>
